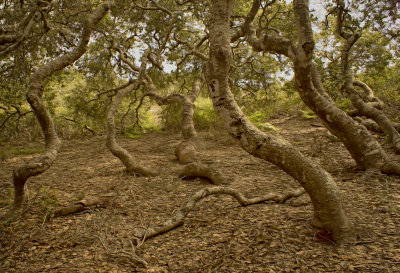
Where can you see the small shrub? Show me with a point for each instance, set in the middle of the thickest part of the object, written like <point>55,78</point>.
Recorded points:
<point>344,104</point>
<point>204,115</point>
<point>48,200</point>
<point>258,119</point>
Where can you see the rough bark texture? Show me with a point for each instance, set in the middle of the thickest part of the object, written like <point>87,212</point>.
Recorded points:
<point>369,98</point>
<point>369,123</point>
<point>34,97</point>
<point>181,214</point>
<point>328,211</point>
<point>362,146</point>
<point>364,108</point>
<point>123,155</point>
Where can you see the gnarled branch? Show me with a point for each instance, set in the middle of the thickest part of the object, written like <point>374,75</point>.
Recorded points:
<point>182,213</point>
<point>34,96</point>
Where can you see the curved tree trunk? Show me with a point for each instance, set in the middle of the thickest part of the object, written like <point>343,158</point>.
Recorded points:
<point>363,147</point>
<point>112,144</point>
<point>372,110</point>
<point>186,151</point>
<point>34,97</point>
<point>329,213</point>
<point>348,86</point>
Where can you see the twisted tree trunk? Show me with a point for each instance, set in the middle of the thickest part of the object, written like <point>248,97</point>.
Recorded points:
<point>363,147</point>
<point>123,155</point>
<point>372,109</point>
<point>186,151</point>
<point>329,213</point>
<point>34,97</point>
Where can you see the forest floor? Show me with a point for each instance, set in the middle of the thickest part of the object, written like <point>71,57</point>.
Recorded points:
<point>219,235</point>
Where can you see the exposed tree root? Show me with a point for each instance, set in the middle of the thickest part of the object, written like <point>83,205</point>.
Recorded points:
<point>202,170</point>
<point>182,213</point>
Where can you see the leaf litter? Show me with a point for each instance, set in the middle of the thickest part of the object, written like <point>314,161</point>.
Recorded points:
<point>218,235</point>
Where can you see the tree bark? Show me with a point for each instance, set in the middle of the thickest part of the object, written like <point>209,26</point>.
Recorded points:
<point>372,109</point>
<point>363,147</point>
<point>34,97</point>
<point>186,151</point>
<point>112,144</point>
<point>329,213</point>
<point>203,170</point>
<point>182,213</point>
<point>364,108</point>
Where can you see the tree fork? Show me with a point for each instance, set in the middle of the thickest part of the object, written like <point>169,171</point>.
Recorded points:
<point>362,146</point>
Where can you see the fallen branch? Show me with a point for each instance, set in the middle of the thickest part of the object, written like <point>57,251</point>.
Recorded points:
<point>80,206</point>
<point>182,213</point>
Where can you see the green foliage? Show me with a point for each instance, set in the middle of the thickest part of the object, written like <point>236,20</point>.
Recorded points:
<point>344,104</point>
<point>48,200</point>
<point>258,119</point>
<point>262,83</point>
<point>204,115</point>
<point>23,151</point>
<point>132,135</point>
<point>148,122</point>
<point>171,117</point>
<point>308,114</point>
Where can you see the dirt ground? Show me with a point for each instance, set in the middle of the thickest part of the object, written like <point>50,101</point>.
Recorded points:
<point>219,235</point>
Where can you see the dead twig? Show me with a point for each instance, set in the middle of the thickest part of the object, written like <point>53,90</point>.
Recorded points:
<point>122,253</point>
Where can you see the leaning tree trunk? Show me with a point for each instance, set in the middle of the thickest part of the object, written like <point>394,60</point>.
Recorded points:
<point>363,147</point>
<point>329,213</point>
<point>34,97</point>
<point>372,107</point>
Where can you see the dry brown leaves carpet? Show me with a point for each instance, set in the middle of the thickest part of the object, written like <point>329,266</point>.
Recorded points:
<point>219,235</point>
